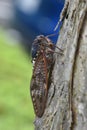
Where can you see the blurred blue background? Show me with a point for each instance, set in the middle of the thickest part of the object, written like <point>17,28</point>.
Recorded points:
<point>28,18</point>
<point>33,17</point>
<point>20,22</point>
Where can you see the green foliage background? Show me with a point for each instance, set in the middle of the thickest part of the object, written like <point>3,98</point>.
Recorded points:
<point>16,111</point>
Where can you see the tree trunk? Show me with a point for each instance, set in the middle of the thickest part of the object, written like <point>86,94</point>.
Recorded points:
<point>66,108</point>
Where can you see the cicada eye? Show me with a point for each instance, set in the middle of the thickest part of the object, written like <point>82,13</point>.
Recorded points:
<point>51,45</point>
<point>34,51</point>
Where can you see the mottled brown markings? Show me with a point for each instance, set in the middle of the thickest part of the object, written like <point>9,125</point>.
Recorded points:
<point>42,65</point>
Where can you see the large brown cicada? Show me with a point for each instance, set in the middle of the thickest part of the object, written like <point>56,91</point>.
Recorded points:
<point>42,58</point>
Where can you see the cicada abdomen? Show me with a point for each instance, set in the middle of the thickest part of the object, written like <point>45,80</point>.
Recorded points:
<point>42,60</point>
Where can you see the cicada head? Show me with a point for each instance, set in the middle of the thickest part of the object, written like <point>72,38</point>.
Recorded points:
<point>40,44</point>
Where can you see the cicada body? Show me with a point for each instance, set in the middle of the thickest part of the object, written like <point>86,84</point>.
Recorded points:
<point>42,62</point>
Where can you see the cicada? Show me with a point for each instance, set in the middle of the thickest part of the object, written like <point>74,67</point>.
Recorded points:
<point>42,58</point>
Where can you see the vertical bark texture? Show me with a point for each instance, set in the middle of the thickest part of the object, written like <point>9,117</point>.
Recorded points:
<point>66,107</point>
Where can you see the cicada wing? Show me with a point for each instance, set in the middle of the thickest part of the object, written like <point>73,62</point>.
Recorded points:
<point>39,101</point>
<point>38,86</point>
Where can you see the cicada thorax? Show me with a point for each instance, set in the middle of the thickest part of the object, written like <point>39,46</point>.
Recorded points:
<point>39,82</point>
<point>42,43</point>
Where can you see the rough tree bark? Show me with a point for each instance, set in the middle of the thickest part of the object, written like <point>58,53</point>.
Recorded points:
<point>66,108</point>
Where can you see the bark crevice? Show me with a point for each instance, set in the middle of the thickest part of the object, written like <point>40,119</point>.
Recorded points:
<point>73,109</point>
